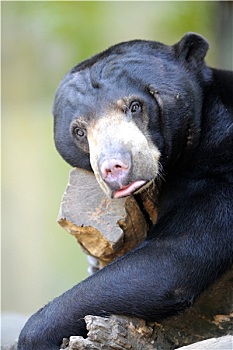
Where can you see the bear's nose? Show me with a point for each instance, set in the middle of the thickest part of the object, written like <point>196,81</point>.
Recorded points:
<point>115,170</point>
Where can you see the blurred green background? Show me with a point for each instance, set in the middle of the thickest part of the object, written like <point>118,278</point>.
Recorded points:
<point>41,41</point>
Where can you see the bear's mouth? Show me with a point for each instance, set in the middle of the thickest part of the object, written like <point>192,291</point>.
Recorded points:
<point>128,190</point>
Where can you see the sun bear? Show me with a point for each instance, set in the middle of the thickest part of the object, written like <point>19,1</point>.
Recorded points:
<point>138,112</point>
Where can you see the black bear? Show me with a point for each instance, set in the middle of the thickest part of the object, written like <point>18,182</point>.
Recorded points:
<point>137,112</point>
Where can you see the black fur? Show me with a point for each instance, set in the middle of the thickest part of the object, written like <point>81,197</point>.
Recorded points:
<point>189,116</point>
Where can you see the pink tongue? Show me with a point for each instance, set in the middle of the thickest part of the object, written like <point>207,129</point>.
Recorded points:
<point>129,189</point>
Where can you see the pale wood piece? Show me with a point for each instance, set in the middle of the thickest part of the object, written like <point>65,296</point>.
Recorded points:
<point>222,343</point>
<point>106,228</point>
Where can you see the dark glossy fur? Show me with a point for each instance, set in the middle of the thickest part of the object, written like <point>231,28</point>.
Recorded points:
<point>190,119</point>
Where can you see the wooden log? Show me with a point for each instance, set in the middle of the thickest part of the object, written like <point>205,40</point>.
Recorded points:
<point>121,333</point>
<point>106,228</point>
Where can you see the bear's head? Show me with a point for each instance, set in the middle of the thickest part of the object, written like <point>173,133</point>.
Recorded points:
<point>131,111</point>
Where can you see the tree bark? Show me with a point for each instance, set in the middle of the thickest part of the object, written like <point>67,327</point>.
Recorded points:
<point>122,333</point>
<point>106,228</point>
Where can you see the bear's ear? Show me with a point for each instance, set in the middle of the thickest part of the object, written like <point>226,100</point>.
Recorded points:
<point>191,48</point>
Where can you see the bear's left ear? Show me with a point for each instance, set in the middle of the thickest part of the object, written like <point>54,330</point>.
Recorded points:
<point>192,48</point>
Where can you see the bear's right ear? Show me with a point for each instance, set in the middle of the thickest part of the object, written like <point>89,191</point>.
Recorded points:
<point>192,48</point>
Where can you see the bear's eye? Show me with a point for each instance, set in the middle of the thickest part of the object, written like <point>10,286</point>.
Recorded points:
<point>135,107</point>
<point>80,133</point>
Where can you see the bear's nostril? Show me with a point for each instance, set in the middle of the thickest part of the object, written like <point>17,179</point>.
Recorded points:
<point>115,167</point>
<point>118,168</point>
